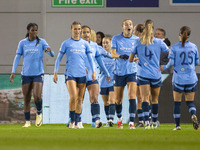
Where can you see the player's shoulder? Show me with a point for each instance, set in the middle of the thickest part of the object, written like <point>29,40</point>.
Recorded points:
<point>41,39</point>
<point>23,41</point>
<point>191,44</point>
<point>174,46</point>
<point>157,40</point>
<point>117,36</point>
<point>94,44</point>
<point>68,41</point>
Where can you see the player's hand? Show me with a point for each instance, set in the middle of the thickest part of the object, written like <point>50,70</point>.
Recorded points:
<point>47,49</point>
<point>12,76</point>
<point>86,70</point>
<point>108,79</point>
<point>55,77</point>
<point>136,59</point>
<point>93,76</point>
<point>161,68</point>
<point>124,56</point>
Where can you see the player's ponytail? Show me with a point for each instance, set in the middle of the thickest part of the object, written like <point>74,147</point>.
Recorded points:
<point>184,33</point>
<point>147,34</point>
<point>139,28</point>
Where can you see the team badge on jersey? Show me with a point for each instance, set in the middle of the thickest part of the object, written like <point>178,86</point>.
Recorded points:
<point>133,44</point>
<point>83,46</point>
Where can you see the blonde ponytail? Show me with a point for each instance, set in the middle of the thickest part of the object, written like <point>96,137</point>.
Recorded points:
<point>147,34</point>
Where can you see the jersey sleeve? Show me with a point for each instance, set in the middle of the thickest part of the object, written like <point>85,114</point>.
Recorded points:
<point>172,53</point>
<point>58,60</point>
<point>196,56</point>
<point>20,48</point>
<point>44,44</point>
<point>16,62</point>
<point>88,48</point>
<point>63,48</point>
<point>114,43</point>
<point>104,53</point>
<point>134,50</point>
<point>169,64</point>
<point>164,47</point>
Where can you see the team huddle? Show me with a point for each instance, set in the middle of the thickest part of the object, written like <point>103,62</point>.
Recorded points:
<point>130,59</point>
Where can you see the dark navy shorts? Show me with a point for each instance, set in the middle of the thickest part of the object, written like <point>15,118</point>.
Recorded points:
<point>154,83</point>
<point>30,79</point>
<point>91,82</point>
<point>184,88</point>
<point>76,79</point>
<point>105,91</point>
<point>123,80</point>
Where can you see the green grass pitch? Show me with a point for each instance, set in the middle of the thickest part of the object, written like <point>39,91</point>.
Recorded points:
<point>59,137</point>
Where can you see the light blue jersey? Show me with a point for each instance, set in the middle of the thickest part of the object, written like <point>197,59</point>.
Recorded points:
<point>184,63</point>
<point>104,53</point>
<point>32,56</point>
<point>149,58</point>
<point>110,64</point>
<point>76,51</point>
<point>96,55</point>
<point>123,45</point>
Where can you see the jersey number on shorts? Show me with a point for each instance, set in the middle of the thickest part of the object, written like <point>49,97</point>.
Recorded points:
<point>190,59</point>
<point>148,53</point>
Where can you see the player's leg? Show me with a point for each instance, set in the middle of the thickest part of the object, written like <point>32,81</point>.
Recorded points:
<point>177,110</point>
<point>139,109</point>
<point>144,90</point>
<point>155,94</point>
<point>37,94</point>
<point>27,90</point>
<point>118,98</point>
<point>73,93</point>
<point>111,106</point>
<point>119,84</point>
<point>189,98</point>
<point>81,91</point>
<point>106,105</point>
<point>93,90</point>
<point>132,87</point>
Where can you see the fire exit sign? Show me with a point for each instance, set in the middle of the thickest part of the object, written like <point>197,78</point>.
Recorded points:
<point>77,3</point>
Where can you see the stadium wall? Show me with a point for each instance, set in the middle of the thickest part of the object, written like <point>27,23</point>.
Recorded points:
<point>54,24</point>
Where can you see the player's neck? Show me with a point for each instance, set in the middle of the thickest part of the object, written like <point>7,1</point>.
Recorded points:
<point>31,38</point>
<point>76,38</point>
<point>127,35</point>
